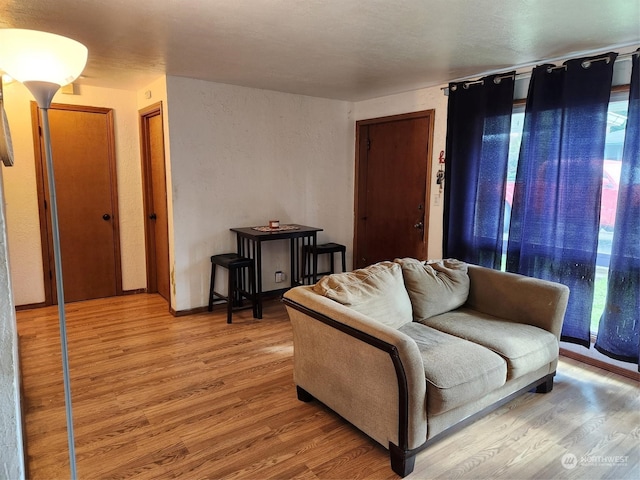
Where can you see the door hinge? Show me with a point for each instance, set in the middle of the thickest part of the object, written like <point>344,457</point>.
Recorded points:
<point>368,144</point>
<point>39,130</point>
<point>45,205</point>
<point>50,275</point>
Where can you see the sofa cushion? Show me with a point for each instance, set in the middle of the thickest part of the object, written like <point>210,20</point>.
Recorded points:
<point>376,291</point>
<point>525,347</point>
<point>456,371</point>
<point>434,287</point>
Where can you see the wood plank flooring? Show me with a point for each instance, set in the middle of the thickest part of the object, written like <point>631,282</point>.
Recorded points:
<point>161,397</point>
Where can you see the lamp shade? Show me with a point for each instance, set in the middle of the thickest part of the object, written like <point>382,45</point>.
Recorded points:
<point>33,56</point>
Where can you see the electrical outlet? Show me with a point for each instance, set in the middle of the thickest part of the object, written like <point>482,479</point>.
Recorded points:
<point>279,276</point>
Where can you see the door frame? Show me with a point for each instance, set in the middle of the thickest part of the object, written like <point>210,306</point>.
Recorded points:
<point>147,189</point>
<point>48,265</point>
<point>360,192</point>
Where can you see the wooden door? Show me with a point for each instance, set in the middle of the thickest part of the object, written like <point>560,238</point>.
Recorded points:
<point>155,201</point>
<point>393,167</point>
<point>82,143</point>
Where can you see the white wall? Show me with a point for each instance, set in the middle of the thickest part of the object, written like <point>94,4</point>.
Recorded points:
<point>242,156</point>
<point>414,101</point>
<point>22,201</point>
<point>11,452</point>
<point>21,197</point>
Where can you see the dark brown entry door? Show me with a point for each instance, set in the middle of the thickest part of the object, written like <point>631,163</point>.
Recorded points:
<point>393,168</point>
<point>84,171</point>
<point>153,166</point>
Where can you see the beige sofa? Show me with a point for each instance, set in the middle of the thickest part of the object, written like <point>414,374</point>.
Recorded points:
<point>408,351</point>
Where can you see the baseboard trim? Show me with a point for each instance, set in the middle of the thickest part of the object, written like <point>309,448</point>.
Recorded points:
<point>31,306</point>
<point>134,292</point>
<point>268,296</point>
<point>191,311</point>
<point>600,364</point>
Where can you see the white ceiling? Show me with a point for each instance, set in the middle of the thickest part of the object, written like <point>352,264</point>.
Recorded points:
<point>343,49</point>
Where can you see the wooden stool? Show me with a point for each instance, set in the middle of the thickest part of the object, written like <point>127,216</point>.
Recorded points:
<point>310,254</point>
<point>235,264</point>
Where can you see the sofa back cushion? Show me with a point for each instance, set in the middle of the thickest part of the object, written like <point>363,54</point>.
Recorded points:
<point>376,291</point>
<point>434,287</point>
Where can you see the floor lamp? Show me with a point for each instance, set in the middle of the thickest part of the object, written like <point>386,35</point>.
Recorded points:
<point>44,62</point>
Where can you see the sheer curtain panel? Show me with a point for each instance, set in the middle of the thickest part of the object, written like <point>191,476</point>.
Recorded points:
<point>478,127</point>
<point>619,328</point>
<point>556,207</point>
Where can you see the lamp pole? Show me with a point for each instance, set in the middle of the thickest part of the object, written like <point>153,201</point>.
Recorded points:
<point>43,92</point>
<point>55,230</point>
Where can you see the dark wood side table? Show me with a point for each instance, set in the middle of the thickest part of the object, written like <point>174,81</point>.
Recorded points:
<point>249,241</point>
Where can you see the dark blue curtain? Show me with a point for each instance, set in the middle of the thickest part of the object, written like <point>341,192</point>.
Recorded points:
<point>619,329</point>
<point>556,207</point>
<point>478,127</point>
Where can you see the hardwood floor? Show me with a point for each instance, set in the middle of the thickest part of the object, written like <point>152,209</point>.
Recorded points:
<point>161,397</point>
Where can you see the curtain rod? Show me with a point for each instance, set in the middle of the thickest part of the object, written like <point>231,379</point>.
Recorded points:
<point>528,74</point>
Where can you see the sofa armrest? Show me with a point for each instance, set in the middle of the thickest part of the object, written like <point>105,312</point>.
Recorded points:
<point>367,372</point>
<point>518,298</point>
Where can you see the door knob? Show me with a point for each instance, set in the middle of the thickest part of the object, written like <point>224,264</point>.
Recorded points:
<point>152,216</point>
<point>418,225</point>
<point>106,217</point>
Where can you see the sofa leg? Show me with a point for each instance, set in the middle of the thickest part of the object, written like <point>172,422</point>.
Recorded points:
<point>401,462</point>
<point>546,386</point>
<point>303,395</point>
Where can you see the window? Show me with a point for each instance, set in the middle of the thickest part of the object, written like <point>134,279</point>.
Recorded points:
<point>616,123</point>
